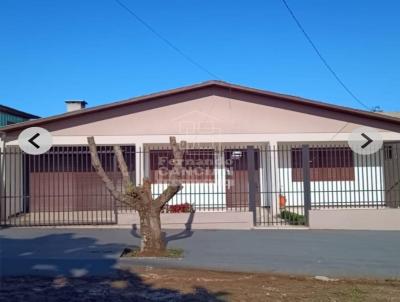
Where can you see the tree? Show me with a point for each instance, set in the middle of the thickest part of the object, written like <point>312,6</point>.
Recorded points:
<point>140,198</point>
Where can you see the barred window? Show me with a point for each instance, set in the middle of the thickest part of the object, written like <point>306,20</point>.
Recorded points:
<point>78,159</point>
<point>326,164</point>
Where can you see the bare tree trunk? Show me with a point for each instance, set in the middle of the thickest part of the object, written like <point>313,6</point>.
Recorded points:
<point>140,198</point>
<point>150,229</point>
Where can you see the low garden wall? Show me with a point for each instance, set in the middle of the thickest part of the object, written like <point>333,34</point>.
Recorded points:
<point>355,219</point>
<point>196,220</point>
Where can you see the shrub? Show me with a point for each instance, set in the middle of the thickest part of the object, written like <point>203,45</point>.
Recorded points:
<point>292,218</point>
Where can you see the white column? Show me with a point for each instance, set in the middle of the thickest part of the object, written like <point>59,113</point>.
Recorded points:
<point>274,177</point>
<point>140,162</point>
<point>3,201</point>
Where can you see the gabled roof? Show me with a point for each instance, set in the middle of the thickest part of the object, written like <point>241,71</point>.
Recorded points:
<point>204,85</point>
<point>16,112</point>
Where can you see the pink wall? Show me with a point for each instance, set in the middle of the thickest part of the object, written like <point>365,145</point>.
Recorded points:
<point>226,112</point>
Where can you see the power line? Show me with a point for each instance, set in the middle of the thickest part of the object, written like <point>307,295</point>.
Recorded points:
<point>324,61</point>
<point>166,41</point>
<point>340,130</point>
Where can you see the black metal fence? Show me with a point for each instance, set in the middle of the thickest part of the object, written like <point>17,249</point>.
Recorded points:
<point>278,185</point>
<point>59,187</point>
<point>300,178</point>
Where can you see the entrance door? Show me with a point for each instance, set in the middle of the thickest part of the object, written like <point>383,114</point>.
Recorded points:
<point>237,178</point>
<point>391,170</point>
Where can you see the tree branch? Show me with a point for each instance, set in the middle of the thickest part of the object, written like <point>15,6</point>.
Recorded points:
<point>175,178</point>
<point>96,163</point>
<point>122,166</point>
<point>167,195</point>
<point>100,171</point>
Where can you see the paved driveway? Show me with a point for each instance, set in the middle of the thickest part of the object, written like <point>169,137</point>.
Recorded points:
<point>80,252</point>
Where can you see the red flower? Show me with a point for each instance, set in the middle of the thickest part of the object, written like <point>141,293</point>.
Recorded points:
<point>180,208</point>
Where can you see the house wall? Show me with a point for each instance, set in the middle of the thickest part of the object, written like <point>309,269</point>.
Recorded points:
<point>206,115</point>
<point>202,195</point>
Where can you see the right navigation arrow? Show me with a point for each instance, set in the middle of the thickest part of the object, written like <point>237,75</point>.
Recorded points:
<point>369,140</point>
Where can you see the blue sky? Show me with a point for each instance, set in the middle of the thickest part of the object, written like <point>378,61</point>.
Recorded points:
<point>51,51</point>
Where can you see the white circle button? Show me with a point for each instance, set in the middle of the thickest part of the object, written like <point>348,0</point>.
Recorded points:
<point>365,140</point>
<point>35,140</point>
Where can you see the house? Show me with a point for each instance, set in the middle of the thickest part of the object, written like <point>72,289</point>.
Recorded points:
<point>9,116</point>
<point>254,158</point>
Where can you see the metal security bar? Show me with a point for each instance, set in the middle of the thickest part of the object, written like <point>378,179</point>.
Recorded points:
<point>59,187</point>
<point>279,185</point>
<point>215,178</point>
<point>304,177</point>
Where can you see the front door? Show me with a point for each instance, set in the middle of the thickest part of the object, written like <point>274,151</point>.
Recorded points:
<point>237,178</point>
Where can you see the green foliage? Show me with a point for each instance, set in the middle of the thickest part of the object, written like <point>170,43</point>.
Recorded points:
<point>293,218</point>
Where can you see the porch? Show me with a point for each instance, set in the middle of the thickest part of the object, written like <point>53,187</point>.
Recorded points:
<point>238,185</point>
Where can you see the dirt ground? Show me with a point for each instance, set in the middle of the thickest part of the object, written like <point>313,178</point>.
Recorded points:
<point>160,284</point>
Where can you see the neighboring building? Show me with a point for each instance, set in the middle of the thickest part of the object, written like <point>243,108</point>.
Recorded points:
<point>255,158</point>
<point>9,116</point>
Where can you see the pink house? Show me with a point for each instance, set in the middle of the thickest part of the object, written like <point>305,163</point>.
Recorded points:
<point>254,159</point>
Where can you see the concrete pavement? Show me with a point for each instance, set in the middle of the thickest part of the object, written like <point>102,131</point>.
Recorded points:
<point>85,251</point>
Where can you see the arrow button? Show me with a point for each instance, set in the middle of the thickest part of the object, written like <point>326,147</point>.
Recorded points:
<point>32,140</point>
<point>369,140</point>
<point>35,140</point>
<point>365,140</point>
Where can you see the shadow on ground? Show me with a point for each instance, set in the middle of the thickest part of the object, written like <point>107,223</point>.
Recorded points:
<point>77,269</point>
<point>186,233</point>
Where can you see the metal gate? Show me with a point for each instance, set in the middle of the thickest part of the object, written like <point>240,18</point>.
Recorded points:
<point>59,187</point>
<point>298,178</point>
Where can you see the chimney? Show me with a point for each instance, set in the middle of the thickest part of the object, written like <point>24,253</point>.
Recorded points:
<point>73,105</point>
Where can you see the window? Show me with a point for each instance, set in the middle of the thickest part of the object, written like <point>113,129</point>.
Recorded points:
<point>198,165</point>
<point>78,159</point>
<point>326,164</point>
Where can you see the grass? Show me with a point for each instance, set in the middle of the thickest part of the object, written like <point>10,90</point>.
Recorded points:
<point>356,294</point>
<point>168,253</point>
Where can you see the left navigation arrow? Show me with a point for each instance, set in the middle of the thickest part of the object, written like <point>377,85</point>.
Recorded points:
<point>32,140</point>
<point>35,140</point>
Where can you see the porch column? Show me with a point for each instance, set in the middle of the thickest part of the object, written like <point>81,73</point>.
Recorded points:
<point>140,163</point>
<point>274,179</point>
<point>3,215</point>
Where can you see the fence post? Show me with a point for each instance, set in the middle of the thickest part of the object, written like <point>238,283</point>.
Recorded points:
<point>3,209</point>
<point>251,179</point>
<point>306,180</point>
